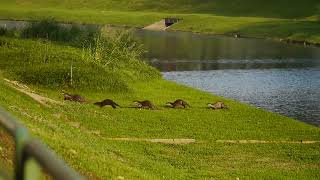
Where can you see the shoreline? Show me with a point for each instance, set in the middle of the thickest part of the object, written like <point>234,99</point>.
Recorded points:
<point>303,43</point>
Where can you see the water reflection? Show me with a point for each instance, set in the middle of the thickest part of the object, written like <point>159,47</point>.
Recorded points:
<point>186,51</point>
<point>165,66</point>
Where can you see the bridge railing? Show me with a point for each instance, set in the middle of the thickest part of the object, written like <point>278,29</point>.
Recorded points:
<point>32,155</point>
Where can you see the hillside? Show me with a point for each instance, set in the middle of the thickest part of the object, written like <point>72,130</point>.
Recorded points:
<point>243,142</point>
<point>242,8</point>
<point>249,18</point>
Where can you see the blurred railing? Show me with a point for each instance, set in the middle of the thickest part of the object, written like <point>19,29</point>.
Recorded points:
<point>32,156</point>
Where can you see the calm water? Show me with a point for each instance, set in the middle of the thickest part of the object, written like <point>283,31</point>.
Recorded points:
<point>292,92</point>
<point>271,75</point>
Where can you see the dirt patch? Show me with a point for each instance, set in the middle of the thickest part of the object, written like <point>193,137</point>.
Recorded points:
<point>163,141</point>
<point>265,142</point>
<point>26,90</point>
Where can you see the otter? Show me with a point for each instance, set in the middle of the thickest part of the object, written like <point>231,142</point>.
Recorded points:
<point>146,104</point>
<point>179,103</point>
<point>107,102</point>
<point>74,97</point>
<point>217,105</point>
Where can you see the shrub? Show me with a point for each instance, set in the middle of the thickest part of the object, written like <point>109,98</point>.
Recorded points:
<point>76,35</point>
<point>3,31</point>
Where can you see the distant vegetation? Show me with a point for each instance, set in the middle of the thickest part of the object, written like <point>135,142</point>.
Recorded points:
<point>77,35</point>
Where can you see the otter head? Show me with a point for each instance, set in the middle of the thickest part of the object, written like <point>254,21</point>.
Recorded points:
<point>137,103</point>
<point>67,96</point>
<point>169,104</point>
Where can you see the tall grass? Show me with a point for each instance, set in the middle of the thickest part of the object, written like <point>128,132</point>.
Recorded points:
<point>106,61</point>
<point>114,45</point>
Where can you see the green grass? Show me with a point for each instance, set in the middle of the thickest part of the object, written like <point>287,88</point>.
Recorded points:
<point>256,8</point>
<point>252,18</point>
<point>79,132</point>
<point>49,65</point>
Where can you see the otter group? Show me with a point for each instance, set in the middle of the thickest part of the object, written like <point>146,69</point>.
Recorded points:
<point>146,104</point>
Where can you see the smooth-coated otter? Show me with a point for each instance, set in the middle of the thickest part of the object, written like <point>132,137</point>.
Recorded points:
<point>217,105</point>
<point>146,104</point>
<point>179,103</point>
<point>107,102</point>
<point>74,97</point>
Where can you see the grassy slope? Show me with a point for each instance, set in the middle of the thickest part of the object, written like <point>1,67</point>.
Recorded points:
<point>91,153</point>
<point>272,8</point>
<point>275,20</point>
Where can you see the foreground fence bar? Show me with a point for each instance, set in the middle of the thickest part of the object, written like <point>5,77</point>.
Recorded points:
<point>31,154</point>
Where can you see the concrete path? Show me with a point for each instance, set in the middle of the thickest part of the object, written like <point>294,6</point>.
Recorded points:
<point>158,26</point>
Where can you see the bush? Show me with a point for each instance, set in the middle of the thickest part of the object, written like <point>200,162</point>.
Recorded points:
<point>3,31</point>
<point>76,35</point>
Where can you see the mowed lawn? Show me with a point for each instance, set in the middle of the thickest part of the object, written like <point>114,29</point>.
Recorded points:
<point>253,18</point>
<point>80,134</point>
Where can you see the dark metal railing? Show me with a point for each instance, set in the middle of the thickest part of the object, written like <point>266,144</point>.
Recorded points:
<point>31,154</point>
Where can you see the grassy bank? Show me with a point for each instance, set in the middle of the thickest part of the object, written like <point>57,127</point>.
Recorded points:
<point>244,8</point>
<point>275,20</point>
<point>79,132</point>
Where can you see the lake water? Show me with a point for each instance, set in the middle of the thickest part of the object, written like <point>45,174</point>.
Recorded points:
<point>267,74</point>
